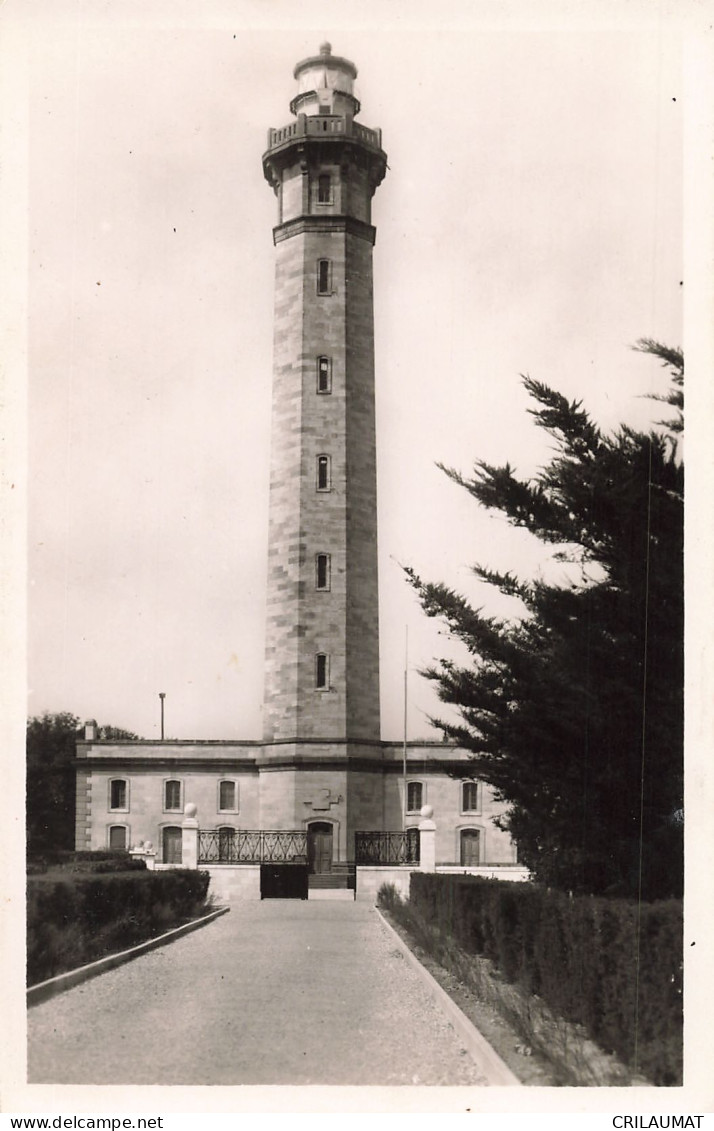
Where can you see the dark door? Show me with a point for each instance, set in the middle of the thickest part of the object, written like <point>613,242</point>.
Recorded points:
<point>319,847</point>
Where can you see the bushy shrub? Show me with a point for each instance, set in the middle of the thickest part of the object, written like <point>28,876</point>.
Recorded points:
<point>75,919</point>
<point>388,897</point>
<point>607,964</point>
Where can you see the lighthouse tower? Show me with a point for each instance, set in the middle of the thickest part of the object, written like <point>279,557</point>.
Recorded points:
<point>320,775</point>
<point>322,637</point>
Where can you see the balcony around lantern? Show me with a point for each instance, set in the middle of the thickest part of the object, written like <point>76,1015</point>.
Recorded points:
<point>324,125</point>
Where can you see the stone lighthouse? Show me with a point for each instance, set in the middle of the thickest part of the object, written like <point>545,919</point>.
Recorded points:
<point>319,786</point>
<point>322,638</point>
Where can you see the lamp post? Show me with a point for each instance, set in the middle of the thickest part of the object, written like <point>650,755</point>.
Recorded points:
<point>162,696</point>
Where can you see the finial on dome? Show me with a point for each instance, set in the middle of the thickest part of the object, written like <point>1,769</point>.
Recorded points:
<point>325,48</point>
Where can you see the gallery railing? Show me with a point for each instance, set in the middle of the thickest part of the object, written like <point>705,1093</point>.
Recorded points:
<point>387,848</point>
<point>320,125</point>
<point>244,846</point>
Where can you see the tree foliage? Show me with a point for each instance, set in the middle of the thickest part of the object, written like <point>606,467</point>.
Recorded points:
<point>573,711</point>
<point>50,799</point>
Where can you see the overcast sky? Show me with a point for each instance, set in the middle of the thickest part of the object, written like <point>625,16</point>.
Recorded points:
<point>530,221</point>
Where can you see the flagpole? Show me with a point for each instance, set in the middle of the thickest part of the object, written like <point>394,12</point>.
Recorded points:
<point>404,746</point>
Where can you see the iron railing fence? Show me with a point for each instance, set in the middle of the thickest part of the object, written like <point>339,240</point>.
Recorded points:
<point>262,846</point>
<point>387,847</point>
<point>246,846</point>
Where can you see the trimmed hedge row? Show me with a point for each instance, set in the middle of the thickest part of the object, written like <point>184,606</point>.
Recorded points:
<point>579,955</point>
<point>73,920</point>
<point>98,860</point>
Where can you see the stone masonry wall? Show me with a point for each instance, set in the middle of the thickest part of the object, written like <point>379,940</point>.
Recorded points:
<point>83,812</point>
<point>339,521</point>
<point>284,549</point>
<point>323,714</point>
<point>145,815</point>
<point>362,583</point>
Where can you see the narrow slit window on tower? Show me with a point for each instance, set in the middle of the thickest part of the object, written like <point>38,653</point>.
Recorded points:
<point>324,375</point>
<point>323,473</point>
<point>322,671</point>
<point>324,277</point>
<point>322,571</point>
<point>324,189</point>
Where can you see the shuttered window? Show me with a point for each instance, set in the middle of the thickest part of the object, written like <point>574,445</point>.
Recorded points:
<point>172,795</point>
<point>415,795</point>
<point>469,797</point>
<point>228,795</point>
<point>117,794</point>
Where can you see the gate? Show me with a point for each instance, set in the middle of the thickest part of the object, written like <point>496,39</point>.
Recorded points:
<point>283,881</point>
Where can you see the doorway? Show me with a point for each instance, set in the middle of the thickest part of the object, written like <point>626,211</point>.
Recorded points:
<point>470,847</point>
<point>319,847</point>
<point>172,846</point>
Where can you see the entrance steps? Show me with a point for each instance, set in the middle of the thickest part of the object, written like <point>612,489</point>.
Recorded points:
<point>337,884</point>
<point>330,893</point>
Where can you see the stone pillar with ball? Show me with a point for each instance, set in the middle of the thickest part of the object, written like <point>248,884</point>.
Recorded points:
<point>189,837</point>
<point>427,840</point>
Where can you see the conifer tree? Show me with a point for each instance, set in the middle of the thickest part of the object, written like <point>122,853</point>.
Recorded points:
<point>573,711</point>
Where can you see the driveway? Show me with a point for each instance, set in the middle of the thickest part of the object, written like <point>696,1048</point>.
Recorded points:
<point>277,992</point>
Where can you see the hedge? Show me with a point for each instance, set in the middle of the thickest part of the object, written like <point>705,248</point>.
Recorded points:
<point>579,954</point>
<point>97,860</point>
<point>75,919</point>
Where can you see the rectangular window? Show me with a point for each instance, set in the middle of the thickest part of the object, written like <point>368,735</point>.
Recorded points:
<point>323,473</point>
<point>172,795</point>
<point>469,797</point>
<point>324,277</point>
<point>415,794</point>
<point>322,571</point>
<point>324,189</point>
<point>322,673</point>
<point>227,795</point>
<point>117,794</point>
<point>324,375</point>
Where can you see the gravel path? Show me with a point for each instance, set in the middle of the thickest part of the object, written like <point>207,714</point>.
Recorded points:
<point>279,992</point>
